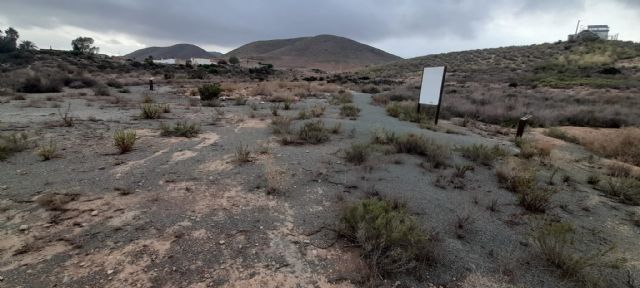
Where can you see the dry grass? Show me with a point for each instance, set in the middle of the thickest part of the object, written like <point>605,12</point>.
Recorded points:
<point>530,148</point>
<point>12,143</point>
<point>620,144</point>
<point>281,125</point>
<point>48,150</point>
<point>357,153</point>
<point>124,140</point>
<point>313,132</point>
<point>626,189</point>
<point>276,178</point>
<point>55,201</point>
<point>242,153</point>
<point>180,129</point>
<point>350,111</point>
<point>150,111</point>
<point>556,243</point>
<point>481,153</point>
<point>536,199</point>
<point>517,175</point>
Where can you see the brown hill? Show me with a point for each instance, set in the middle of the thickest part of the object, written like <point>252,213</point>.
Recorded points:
<point>180,51</point>
<point>322,51</point>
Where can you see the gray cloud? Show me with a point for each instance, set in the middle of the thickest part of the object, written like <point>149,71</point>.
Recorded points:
<point>228,23</point>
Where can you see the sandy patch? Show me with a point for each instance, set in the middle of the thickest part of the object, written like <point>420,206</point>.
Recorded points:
<point>218,165</point>
<point>182,155</point>
<point>126,167</point>
<point>208,139</point>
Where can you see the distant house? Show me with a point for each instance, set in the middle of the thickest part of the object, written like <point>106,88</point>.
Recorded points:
<point>202,61</point>
<point>601,30</point>
<point>165,61</point>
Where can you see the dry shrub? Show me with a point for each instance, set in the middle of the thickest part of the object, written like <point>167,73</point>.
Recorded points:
<point>536,199</point>
<point>357,153</point>
<point>350,111</point>
<point>48,150</point>
<point>530,148</point>
<point>124,140</point>
<point>262,89</point>
<point>151,111</point>
<point>12,143</point>
<point>317,110</point>
<point>243,154</point>
<point>55,201</point>
<point>556,243</point>
<point>391,239</point>
<point>558,133</point>
<point>342,97</point>
<point>481,153</point>
<point>517,175</point>
<point>275,177</point>
<point>313,132</point>
<point>623,188</point>
<point>281,124</point>
<point>435,153</point>
<point>180,129</point>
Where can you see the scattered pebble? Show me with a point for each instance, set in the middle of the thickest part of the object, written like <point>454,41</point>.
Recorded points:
<point>94,213</point>
<point>221,242</point>
<point>4,187</point>
<point>109,272</point>
<point>24,227</point>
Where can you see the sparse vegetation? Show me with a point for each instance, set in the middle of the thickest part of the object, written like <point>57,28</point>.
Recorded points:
<point>357,153</point>
<point>517,175</point>
<point>180,129</point>
<point>12,143</point>
<point>556,243</point>
<point>535,199</point>
<point>624,188</point>
<point>349,111</point>
<point>48,150</point>
<point>150,111</point>
<point>281,125</point>
<point>342,97</point>
<point>124,140</point>
<point>558,133</point>
<point>313,132</point>
<point>276,181</point>
<point>391,240</point>
<point>55,201</point>
<point>481,153</point>
<point>243,153</point>
<point>67,119</point>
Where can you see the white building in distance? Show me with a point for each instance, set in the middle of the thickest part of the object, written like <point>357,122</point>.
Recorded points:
<point>601,30</point>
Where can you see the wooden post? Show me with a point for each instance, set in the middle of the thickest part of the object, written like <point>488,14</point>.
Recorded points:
<point>151,84</point>
<point>521,124</point>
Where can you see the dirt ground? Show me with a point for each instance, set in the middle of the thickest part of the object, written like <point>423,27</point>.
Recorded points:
<point>182,212</point>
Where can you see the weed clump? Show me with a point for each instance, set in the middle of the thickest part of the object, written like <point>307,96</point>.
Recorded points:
<point>350,111</point>
<point>243,153</point>
<point>625,189</point>
<point>342,97</point>
<point>12,143</point>
<point>313,132</point>
<point>482,154</point>
<point>558,133</point>
<point>55,201</point>
<point>124,140</point>
<point>180,129</point>
<point>150,111</point>
<point>436,154</point>
<point>276,183</point>
<point>391,240</point>
<point>47,151</point>
<point>516,175</point>
<point>357,153</point>
<point>535,200</point>
<point>556,243</point>
<point>281,125</point>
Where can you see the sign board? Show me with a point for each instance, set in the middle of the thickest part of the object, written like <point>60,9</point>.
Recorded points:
<point>432,82</point>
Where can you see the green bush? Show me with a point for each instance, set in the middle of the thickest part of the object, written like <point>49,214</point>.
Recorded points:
<point>180,129</point>
<point>210,92</point>
<point>391,240</point>
<point>124,140</point>
<point>313,132</point>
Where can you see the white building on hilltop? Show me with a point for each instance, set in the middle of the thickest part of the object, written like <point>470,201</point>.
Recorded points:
<point>601,30</point>
<point>165,61</point>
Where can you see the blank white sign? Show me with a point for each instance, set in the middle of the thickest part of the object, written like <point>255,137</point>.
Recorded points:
<point>431,85</point>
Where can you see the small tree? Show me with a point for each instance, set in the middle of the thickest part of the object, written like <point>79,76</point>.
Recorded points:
<point>8,42</point>
<point>233,60</point>
<point>148,60</point>
<point>84,45</point>
<point>27,46</point>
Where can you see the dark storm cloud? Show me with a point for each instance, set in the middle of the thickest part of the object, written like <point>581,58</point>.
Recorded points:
<point>230,23</point>
<point>227,23</point>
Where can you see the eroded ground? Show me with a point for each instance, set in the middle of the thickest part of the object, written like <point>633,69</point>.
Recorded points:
<point>182,212</point>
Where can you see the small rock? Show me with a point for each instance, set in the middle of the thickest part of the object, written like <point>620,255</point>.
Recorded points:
<point>1,278</point>
<point>109,272</point>
<point>5,187</point>
<point>94,213</point>
<point>306,241</point>
<point>24,227</point>
<point>221,242</point>
<point>101,168</point>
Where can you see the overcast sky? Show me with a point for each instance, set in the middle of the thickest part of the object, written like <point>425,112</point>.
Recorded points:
<point>407,28</point>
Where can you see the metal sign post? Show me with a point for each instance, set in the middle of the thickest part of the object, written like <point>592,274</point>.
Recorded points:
<point>151,84</point>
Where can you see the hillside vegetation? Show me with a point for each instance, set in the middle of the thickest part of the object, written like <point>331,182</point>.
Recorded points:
<point>308,52</point>
<point>565,83</point>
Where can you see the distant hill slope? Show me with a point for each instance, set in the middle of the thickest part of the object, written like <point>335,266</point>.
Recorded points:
<point>541,63</point>
<point>181,51</point>
<point>321,50</point>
